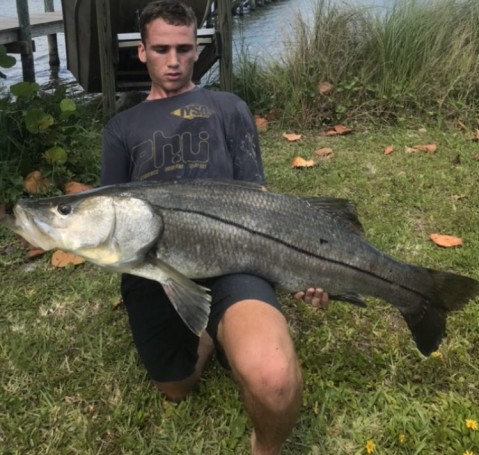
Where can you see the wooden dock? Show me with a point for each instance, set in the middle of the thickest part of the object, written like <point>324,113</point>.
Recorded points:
<point>41,24</point>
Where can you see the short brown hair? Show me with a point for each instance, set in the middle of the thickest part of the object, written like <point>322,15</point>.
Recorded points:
<point>173,12</point>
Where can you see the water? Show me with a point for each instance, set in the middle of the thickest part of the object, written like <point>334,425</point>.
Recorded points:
<point>261,33</point>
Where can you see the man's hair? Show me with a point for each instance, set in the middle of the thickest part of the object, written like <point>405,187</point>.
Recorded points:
<point>173,12</point>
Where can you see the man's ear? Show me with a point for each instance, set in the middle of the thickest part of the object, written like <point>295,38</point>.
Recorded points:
<point>141,52</point>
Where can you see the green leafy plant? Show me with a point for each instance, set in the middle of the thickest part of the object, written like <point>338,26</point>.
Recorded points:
<point>43,132</point>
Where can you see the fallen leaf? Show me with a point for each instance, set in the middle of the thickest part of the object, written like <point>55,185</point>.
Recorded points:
<point>75,187</point>
<point>388,149</point>
<point>35,183</point>
<point>292,137</point>
<point>337,130</point>
<point>35,252</point>
<point>410,149</point>
<point>324,152</point>
<point>446,241</point>
<point>429,148</point>
<point>298,162</point>
<point>422,130</point>
<point>324,88</point>
<point>261,123</point>
<point>273,114</point>
<point>64,259</point>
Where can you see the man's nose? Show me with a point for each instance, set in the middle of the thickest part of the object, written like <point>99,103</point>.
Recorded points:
<point>172,58</point>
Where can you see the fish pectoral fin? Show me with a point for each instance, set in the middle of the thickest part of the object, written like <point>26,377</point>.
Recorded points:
<point>190,300</point>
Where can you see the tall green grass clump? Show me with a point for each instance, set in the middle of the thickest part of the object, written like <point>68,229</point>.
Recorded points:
<point>419,56</point>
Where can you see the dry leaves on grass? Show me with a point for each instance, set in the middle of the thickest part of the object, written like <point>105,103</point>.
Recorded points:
<point>298,162</point>
<point>325,152</point>
<point>337,130</point>
<point>446,241</point>
<point>324,88</point>
<point>64,259</point>
<point>292,137</point>
<point>76,187</point>
<point>261,123</point>
<point>388,150</point>
<point>35,183</point>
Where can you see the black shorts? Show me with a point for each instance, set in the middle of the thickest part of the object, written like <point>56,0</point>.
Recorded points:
<point>166,346</point>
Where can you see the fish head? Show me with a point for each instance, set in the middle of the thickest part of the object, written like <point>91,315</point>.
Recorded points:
<point>68,223</point>
<point>108,230</point>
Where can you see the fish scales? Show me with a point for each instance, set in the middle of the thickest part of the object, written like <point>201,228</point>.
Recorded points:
<point>206,228</point>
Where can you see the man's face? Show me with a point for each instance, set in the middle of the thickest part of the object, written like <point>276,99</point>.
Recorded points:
<point>170,51</point>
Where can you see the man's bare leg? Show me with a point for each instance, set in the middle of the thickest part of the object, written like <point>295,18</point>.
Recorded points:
<point>177,390</point>
<point>257,343</point>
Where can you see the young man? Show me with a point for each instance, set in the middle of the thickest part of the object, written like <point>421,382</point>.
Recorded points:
<point>183,132</point>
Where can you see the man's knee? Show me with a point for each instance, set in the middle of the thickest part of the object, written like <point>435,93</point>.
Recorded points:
<point>276,381</point>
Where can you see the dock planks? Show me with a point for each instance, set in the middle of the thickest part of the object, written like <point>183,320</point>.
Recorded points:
<point>41,24</point>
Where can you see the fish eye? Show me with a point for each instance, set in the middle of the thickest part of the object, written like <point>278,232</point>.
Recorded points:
<point>64,209</point>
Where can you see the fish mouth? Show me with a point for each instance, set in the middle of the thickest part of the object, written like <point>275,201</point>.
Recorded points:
<point>33,229</point>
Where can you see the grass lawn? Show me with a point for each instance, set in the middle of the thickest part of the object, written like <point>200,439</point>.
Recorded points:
<point>71,381</point>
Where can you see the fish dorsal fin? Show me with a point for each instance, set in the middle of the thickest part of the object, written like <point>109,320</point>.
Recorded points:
<point>341,209</point>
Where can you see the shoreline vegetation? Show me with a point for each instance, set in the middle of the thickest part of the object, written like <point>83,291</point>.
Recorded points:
<point>71,379</point>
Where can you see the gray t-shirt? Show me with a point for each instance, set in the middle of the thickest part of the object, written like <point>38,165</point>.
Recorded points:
<point>200,134</point>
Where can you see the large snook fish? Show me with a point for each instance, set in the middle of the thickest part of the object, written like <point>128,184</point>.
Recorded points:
<point>175,232</point>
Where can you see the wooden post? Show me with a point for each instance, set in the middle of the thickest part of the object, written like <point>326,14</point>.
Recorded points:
<point>53,58</point>
<point>25,35</point>
<point>107,68</point>
<point>226,60</point>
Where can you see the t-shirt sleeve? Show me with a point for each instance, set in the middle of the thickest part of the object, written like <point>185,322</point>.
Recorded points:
<point>243,144</point>
<point>115,159</point>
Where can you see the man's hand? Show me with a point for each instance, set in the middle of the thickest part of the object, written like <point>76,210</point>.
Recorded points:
<point>314,297</point>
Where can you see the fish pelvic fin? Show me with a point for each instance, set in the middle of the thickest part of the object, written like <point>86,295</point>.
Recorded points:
<point>449,292</point>
<point>190,300</point>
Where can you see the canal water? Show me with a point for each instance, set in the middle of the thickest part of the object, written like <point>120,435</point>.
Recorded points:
<point>261,33</point>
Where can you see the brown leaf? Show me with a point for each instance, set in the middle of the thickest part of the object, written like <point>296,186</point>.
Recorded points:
<point>410,149</point>
<point>429,148</point>
<point>388,149</point>
<point>446,241</point>
<point>298,162</point>
<point>64,259</point>
<point>261,123</point>
<point>324,88</point>
<point>35,183</point>
<point>292,137</point>
<point>324,152</point>
<point>35,252</point>
<point>75,187</point>
<point>337,130</point>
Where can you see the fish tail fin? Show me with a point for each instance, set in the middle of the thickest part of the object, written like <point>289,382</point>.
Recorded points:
<point>448,292</point>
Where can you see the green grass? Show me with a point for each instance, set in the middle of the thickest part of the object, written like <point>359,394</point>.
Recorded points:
<point>71,381</point>
<point>419,56</point>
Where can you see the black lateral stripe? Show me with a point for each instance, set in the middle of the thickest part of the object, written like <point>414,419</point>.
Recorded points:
<point>298,250</point>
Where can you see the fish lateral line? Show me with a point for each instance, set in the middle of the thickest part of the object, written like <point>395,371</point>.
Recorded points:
<point>298,250</point>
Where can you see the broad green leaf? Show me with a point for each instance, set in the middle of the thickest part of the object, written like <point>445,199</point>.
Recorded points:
<point>6,61</point>
<point>37,120</point>
<point>67,105</point>
<point>56,155</point>
<point>24,89</point>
